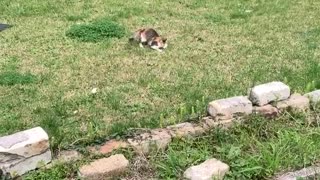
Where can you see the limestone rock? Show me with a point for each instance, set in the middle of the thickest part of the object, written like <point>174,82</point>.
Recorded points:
<point>158,138</point>
<point>184,129</point>
<point>268,111</point>
<point>296,101</point>
<point>227,108</point>
<point>208,170</point>
<point>309,172</point>
<point>24,151</point>
<point>68,156</point>
<point>111,145</point>
<point>314,96</point>
<point>104,168</point>
<point>209,122</point>
<point>265,93</point>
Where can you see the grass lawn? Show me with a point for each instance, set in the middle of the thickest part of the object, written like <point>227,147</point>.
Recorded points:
<point>216,49</point>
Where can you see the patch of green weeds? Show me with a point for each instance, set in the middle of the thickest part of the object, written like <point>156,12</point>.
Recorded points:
<point>13,78</point>
<point>255,149</point>
<point>57,172</point>
<point>10,75</point>
<point>95,31</point>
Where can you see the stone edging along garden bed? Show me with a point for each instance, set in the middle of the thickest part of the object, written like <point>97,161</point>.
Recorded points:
<point>28,150</point>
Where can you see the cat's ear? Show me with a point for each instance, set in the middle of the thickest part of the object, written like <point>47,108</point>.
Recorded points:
<point>164,40</point>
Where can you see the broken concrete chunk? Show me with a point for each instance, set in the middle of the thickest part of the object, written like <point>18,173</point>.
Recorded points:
<point>227,108</point>
<point>104,168</point>
<point>265,93</point>
<point>184,129</point>
<point>208,170</point>
<point>69,156</point>
<point>314,96</point>
<point>305,173</point>
<point>24,151</point>
<point>158,138</point>
<point>208,123</point>
<point>296,101</point>
<point>267,111</point>
<point>111,145</point>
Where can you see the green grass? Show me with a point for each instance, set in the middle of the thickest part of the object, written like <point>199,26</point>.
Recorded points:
<point>216,49</point>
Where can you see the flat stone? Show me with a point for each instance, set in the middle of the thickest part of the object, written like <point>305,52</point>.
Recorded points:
<point>158,138</point>
<point>314,96</point>
<point>184,129</point>
<point>23,166</point>
<point>309,172</point>
<point>267,111</point>
<point>23,151</point>
<point>227,108</point>
<point>68,156</point>
<point>104,168</point>
<point>208,170</point>
<point>112,145</point>
<point>265,93</point>
<point>209,122</point>
<point>296,101</point>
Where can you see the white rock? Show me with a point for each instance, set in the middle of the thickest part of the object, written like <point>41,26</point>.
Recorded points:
<point>270,92</point>
<point>229,107</point>
<point>314,96</point>
<point>94,90</point>
<point>208,170</point>
<point>24,151</point>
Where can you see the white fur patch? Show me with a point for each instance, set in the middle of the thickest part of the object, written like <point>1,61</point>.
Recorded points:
<point>165,45</point>
<point>143,39</point>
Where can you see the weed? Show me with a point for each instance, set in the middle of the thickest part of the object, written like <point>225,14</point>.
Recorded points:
<point>96,31</point>
<point>13,78</point>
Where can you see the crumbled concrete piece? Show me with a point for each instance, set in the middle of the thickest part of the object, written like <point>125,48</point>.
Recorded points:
<point>314,96</point>
<point>296,101</point>
<point>104,168</point>
<point>309,172</point>
<point>68,156</point>
<point>143,143</point>
<point>24,151</point>
<point>111,145</point>
<point>265,93</point>
<point>208,170</point>
<point>184,129</point>
<point>268,111</point>
<point>209,122</point>
<point>227,108</point>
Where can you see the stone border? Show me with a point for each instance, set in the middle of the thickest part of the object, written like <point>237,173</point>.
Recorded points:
<point>268,99</point>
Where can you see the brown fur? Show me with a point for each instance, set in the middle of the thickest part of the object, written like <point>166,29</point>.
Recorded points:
<point>149,37</point>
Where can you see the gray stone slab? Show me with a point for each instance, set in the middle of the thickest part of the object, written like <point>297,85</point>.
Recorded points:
<point>229,107</point>
<point>314,96</point>
<point>270,92</point>
<point>22,151</point>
